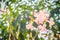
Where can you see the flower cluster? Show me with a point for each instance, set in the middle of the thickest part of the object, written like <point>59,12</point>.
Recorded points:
<point>41,18</point>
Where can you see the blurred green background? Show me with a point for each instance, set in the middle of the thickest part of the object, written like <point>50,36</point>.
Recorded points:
<point>17,16</point>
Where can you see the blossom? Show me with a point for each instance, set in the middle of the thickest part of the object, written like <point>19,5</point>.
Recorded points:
<point>38,20</point>
<point>44,14</point>
<point>41,16</point>
<point>51,22</point>
<point>35,14</point>
<point>42,28</point>
<point>29,26</point>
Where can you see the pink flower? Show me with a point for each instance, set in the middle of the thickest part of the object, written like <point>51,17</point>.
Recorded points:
<point>42,28</point>
<point>51,22</point>
<point>44,14</point>
<point>41,16</point>
<point>29,27</point>
<point>41,19</point>
<point>35,14</point>
<point>38,20</point>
